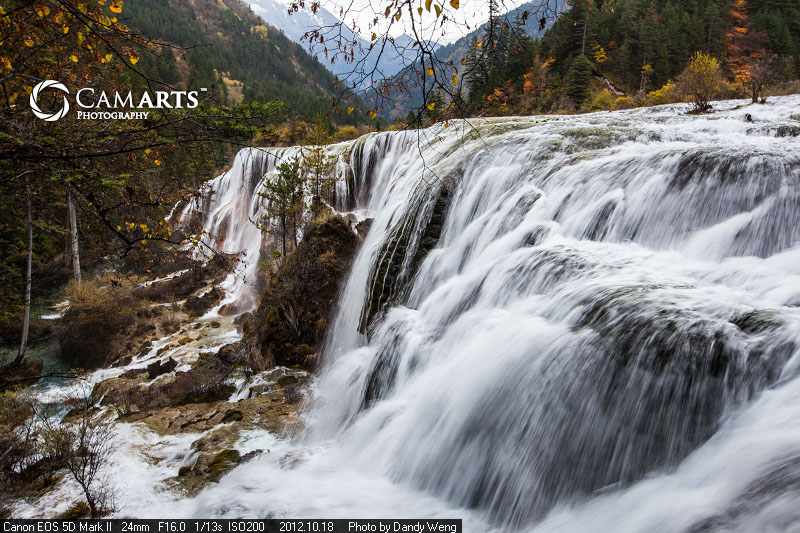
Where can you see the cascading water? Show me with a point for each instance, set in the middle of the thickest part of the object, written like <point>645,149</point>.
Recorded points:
<point>584,323</point>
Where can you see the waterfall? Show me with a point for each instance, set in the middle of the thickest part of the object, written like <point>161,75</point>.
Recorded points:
<point>561,323</point>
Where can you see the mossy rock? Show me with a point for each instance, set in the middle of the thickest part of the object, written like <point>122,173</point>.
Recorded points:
<point>184,470</point>
<point>287,380</point>
<point>757,322</point>
<point>302,296</point>
<point>232,416</point>
<point>222,463</point>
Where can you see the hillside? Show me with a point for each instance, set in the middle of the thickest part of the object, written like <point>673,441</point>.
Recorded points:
<point>602,55</point>
<point>624,37</point>
<point>228,47</point>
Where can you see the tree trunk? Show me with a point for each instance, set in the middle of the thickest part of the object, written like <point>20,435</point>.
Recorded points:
<point>73,232</point>
<point>27,318</point>
<point>585,25</point>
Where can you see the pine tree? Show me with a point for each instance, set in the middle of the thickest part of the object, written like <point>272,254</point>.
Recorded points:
<point>318,167</point>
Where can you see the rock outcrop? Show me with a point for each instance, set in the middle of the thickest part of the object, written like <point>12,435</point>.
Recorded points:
<point>300,299</point>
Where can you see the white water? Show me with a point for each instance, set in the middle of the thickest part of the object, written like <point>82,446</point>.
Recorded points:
<point>604,337</point>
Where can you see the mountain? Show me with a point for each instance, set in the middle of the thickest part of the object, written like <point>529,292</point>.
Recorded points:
<point>295,25</point>
<point>230,48</point>
<point>401,104</point>
<point>532,26</point>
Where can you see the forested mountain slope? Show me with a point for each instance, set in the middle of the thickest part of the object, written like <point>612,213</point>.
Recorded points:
<point>229,47</point>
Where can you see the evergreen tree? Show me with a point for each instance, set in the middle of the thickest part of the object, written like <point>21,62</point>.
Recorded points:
<point>318,167</point>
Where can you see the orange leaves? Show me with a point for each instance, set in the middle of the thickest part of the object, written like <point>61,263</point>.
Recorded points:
<point>429,71</point>
<point>528,86</point>
<point>454,3</point>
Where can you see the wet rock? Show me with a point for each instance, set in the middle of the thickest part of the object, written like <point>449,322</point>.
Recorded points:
<point>414,236</point>
<point>244,323</point>
<point>363,227</point>
<point>249,456</point>
<point>232,416</point>
<point>198,305</point>
<point>194,279</point>
<point>222,463</point>
<point>159,368</point>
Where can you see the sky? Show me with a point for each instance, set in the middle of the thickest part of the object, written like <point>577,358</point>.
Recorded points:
<point>469,15</point>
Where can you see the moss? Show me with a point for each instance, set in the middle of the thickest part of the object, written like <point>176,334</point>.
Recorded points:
<point>185,340</point>
<point>420,229</point>
<point>757,322</point>
<point>222,463</point>
<point>184,470</point>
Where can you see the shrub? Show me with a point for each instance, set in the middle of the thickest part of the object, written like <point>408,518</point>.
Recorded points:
<point>602,101</point>
<point>346,133</point>
<point>701,81</point>
<point>624,102</point>
<point>668,94</point>
<point>97,317</point>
